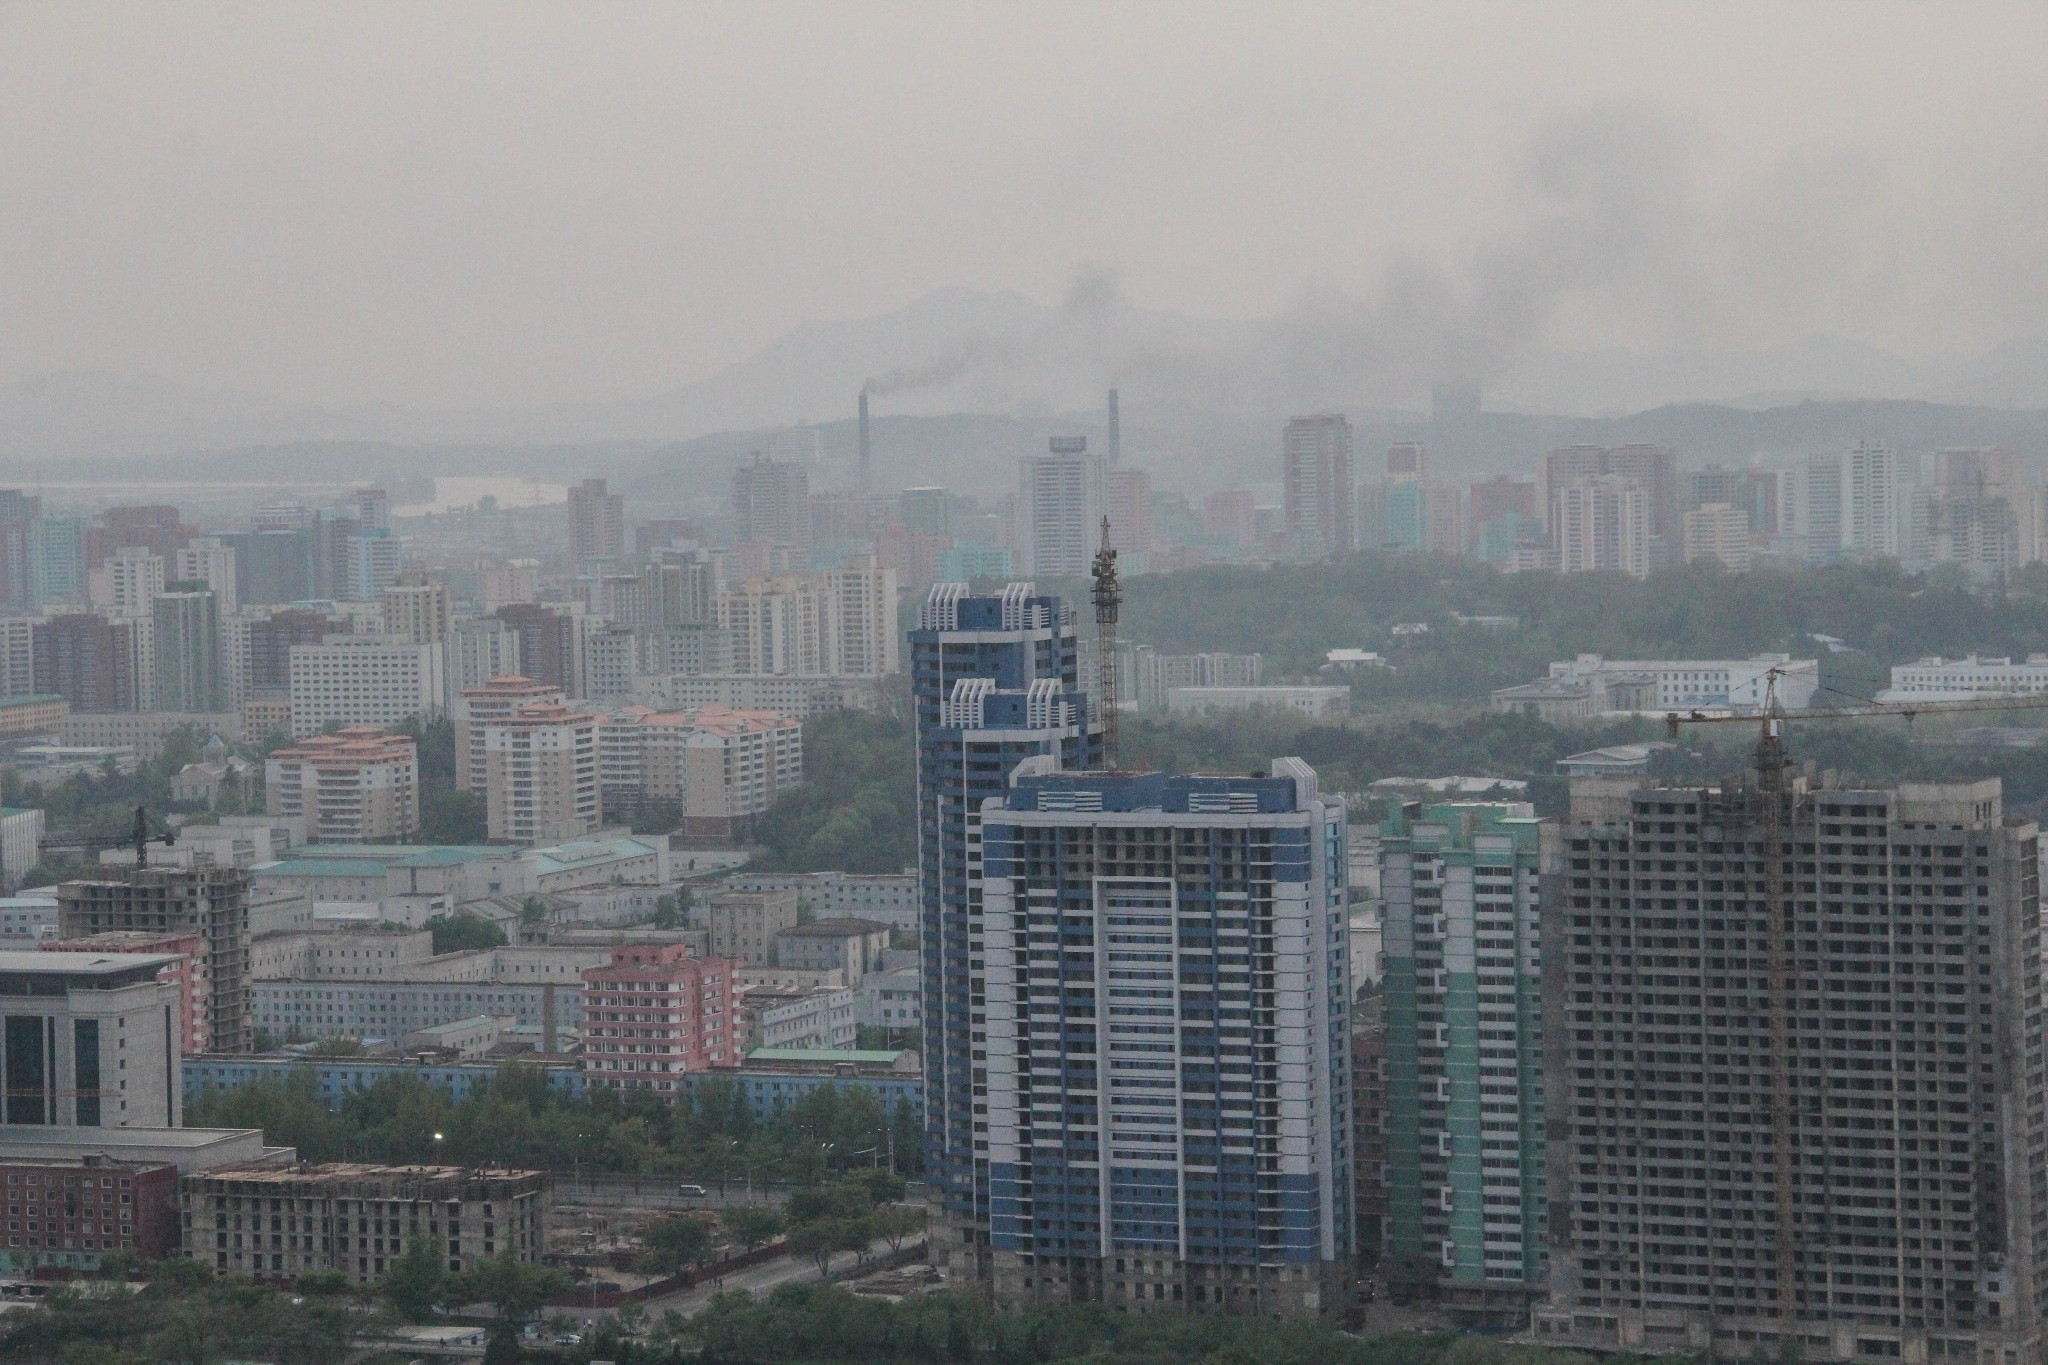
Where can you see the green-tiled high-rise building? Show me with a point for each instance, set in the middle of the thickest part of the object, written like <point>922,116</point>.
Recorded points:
<point>1464,1040</point>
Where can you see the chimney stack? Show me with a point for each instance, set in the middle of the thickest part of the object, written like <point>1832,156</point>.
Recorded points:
<point>864,447</point>
<point>1116,442</point>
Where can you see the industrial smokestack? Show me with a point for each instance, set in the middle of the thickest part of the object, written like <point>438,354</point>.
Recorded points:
<point>1116,437</point>
<point>865,450</point>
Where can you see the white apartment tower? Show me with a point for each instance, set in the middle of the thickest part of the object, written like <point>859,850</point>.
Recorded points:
<point>1601,523</point>
<point>1061,494</point>
<point>1315,469</point>
<point>541,775</point>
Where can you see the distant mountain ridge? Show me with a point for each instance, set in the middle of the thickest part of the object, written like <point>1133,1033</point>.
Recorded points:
<point>1012,358</point>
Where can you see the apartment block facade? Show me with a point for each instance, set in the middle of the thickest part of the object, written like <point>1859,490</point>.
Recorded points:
<point>655,1013</point>
<point>359,785</point>
<point>1168,1040</point>
<point>206,900</point>
<point>275,1225</point>
<point>994,680</point>
<point>541,774</point>
<point>1796,1109</point>
<point>1463,1042</point>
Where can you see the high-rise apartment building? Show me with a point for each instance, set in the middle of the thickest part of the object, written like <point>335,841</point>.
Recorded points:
<point>209,560</point>
<point>541,774</point>
<point>1168,1041</point>
<point>1232,513</point>
<point>271,639</point>
<point>365,680</point>
<point>1795,1093</point>
<point>56,562</point>
<point>927,511</point>
<point>1870,501</point>
<point>205,900</point>
<point>676,590</point>
<point>840,623</point>
<point>718,769</point>
<point>1466,1216</point>
<point>1127,502</point>
<point>860,616</point>
<point>597,522</point>
<point>512,582</point>
<point>189,671</point>
<point>771,501</point>
<point>91,662</point>
<point>417,608</point>
<point>1315,470</point>
<point>655,1014</point>
<point>477,707</point>
<point>1652,469</point>
<point>359,785</point>
<point>481,648</point>
<point>1601,523</point>
<point>1720,533</point>
<point>1061,496</point>
<point>550,642</point>
<point>125,586</point>
<point>994,680</point>
<point>18,513</point>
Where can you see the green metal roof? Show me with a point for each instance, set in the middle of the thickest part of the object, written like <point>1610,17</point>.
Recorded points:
<point>404,855</point>
<point>321,867</point>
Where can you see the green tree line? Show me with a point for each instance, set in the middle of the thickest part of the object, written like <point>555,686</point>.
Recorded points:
<point>518,1120</point>
<point>1294,613</point>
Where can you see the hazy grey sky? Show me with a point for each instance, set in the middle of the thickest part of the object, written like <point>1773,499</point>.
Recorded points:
<point>493,203</point>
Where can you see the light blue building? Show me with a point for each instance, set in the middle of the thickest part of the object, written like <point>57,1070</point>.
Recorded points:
<point>336,1077</point>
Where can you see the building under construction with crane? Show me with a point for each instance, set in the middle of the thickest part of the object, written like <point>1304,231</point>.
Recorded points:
<point>203,900</point>
<point>1793,1067</point>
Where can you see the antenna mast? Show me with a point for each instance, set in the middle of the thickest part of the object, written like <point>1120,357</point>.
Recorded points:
<point>1109,595</point>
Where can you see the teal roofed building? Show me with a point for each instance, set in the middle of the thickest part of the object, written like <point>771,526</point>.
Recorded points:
<point>1466,1208</point>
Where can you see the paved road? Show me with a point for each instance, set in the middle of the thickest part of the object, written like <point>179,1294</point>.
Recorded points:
<point>608,1192</point>
<point>757,1279</point>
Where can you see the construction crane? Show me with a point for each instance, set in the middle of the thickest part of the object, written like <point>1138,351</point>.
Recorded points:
<point>1778,934</point>
<point>143,838</point>
<point>1109,596</point>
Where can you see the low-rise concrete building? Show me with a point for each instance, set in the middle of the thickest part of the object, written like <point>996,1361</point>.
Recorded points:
<point>890,897</point>
<point>744,925</point>
<point>1306,700</point>
<point>799,1017</point>
<point>91,1040</point>
<point>275,1225</point>
<point>852,946</point>
<point>336,1078</point>
<point>891,999</point>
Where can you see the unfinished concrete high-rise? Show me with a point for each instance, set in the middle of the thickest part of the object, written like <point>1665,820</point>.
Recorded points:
<point>1795,1093</point>
<point>209,901</point>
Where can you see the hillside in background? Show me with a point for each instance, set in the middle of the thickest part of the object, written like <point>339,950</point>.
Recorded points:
<point>1190,450</point>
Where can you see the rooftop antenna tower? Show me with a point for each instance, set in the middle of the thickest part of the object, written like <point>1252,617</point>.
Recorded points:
<point>1109,596</point>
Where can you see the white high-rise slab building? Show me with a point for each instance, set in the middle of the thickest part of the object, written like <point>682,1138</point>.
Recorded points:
<point>364,680</point>
<point>1061,495</point>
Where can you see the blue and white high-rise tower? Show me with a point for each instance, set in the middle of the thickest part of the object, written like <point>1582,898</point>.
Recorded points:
<point>1165,966</point>
<point>994,681</point>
